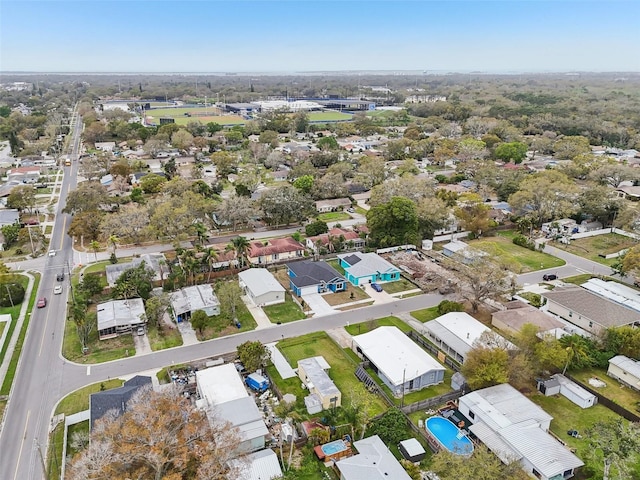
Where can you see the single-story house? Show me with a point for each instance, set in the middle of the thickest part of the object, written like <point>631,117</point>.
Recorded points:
<point>105,146</point>
<point>361,268</point>
<point>223,396</point>
<point>307,277</point>
<point>460,250</point>
<point>9,216</point>
<point>313,373</point>
<point>115,399</point>
<point>261,465</point>
<point>561,226</point>
<point>516,429</point>
<point>625,370</point>
<point>374,461</point>
<point>332,205</point>
<point>189,299</point>
<point>512,320</point>
<point>274,250</point>
<point>559,384</point>
<point>455,333</point>
<point>399,362</point>
<point>24,175</point>
<point>154,261</point>
<point>120,316</point>
<point>280,175</point>
<point>588,310</point>
<point>261,287</point>
<point>349,240</point>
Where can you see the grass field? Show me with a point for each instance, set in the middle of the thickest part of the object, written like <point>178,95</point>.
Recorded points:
<point>518,259</point>
<point>425,314</point>
<point>180,117</point>
<point>623,396</point>
<point>334,216</point>
<point>289,311</point>
<point>365,327</point>
<point>170,338</point>
<point>593,247</point>
<point>401,285</point>
<point>329,116</point>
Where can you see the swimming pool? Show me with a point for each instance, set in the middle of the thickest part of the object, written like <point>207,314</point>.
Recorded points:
<point>449,436</point>
<point>334,447</point>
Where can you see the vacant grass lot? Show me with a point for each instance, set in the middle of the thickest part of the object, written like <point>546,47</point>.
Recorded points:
<point>244,317</point>
<point>401,285</point>
<point>334,216</point>
<point>169,338</point>
<point>623,396</point>
<point>593,247</point>
<point>341,371</point>
<point>518,259</point>
<point>289,311</point>
<point>365,327</point>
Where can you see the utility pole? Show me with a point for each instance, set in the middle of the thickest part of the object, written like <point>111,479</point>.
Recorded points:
<point>9,293</point>
<point>31,240</point>
<point>44,467</point>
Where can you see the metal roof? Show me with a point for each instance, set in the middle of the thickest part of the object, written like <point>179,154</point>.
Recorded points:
<point>398,357</point>
<point>117,313</point>
<point>615,292</point>
<point>260,281</point>
<point>242,414</point>
<point>318,377</point>
<point>220,384</point>
<point>459,330</point>
<point>262,465</point>
<point>413,447</point>
<point>627,364</point>
<point>373,462</point>
<point>190,299</point>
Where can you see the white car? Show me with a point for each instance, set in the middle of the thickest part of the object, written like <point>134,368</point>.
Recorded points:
<point>57,290</point>
<point>52,253</point>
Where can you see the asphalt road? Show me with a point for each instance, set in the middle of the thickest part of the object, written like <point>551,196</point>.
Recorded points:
<point>39,377</point>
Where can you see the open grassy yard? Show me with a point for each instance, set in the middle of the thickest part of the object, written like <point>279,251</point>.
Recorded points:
<point>99,350</point>
<point>341,371</point>
<point>593,247</point>
<point>623,396</point>
<point>425,314</point>
<point>334,216</point>
<point>351,294</point>
<point>329,116</point>
<point>517,258</point>
<point>289,311</point>
<point>401,285</point>
<point>169,338</point>
<point>365,327</point>
<point>335,263</point>
<point>226,120</point>
<point>79,400</point>
<point>222,325</point>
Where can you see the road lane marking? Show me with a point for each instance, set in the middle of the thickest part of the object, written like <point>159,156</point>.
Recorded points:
<point>24,436</point>
<point>64,229</point>
<point>44,330</point>
<point>88,369</point>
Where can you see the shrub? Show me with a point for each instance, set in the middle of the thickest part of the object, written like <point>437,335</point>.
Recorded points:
<point>11,294</point>
<point>523,241</point>
<point>447,306</point>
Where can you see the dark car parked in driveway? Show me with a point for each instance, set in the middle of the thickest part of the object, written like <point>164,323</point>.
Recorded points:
<point>376,287</point>
<point>549,276</point>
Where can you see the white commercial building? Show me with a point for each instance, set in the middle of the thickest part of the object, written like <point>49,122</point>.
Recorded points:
<point>515,428</point>
<point>399,362</point>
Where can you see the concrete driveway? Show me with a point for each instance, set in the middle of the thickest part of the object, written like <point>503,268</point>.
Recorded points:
<point>143,347</point>
<point>378,297</point>
<point>188,333</point>
<point>318,305</point>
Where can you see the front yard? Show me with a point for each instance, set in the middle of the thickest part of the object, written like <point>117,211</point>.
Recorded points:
<point>351,294</point>
<point>289,311</point>
<point>593,247</point>
<point>334,216</point>
<point>401,285</point>
<point>169,337</point>
<point>99,350</point>
<point>518,259</point>
<point>425,314</point>
<point>365,327</point>
<point>221,325</point>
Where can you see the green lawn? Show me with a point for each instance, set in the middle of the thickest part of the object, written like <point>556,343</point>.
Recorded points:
<point>245,318</point>
<point>79,400</point>
<point>623,396</point>
<point>401,285</point>
<point>518,259</point>
<point>289,311</point>
<point>592,247</point>
<point>341,371</point>
<point>578,279</point>
<point>335,263</point>
<point>169,338</point>
<point>328,116</point>
<point>99,350</point>
<point>2,327</point>
<point>99,266</point>
<point>365,327</point>
<point>361,210</point>
<point>425,314</point>
<point>334,216</point>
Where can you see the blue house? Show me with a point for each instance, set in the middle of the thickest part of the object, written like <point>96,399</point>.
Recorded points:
<point>361,268</point>
<point>308,277</point>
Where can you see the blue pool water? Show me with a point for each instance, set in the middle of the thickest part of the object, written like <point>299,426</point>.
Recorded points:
<point>333,447</point>
<point>449,436</point>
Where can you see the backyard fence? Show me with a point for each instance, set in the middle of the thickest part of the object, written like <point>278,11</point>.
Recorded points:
<point>610,404</point>
<point>432,402</point>
<point>431,348</point>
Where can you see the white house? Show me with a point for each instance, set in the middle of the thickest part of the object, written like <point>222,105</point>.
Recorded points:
<point>153,261</point>
<point>515,428</point>
<point>261,287</point>
<point>374,461</point>
<point>223,396</point>
<point>197,297</point>
<point>119,316</point>
<point>455,334</point>
<point>400,363</point>
<point>262,465</point>
<point>626,370</point>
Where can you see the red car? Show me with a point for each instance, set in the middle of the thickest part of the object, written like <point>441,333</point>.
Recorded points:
<point>42,302</point>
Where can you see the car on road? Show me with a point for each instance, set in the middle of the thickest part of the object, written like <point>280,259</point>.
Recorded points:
<point>42,302</point>
<point>549,276</point>
<point>57,290</point>
<point>60,277</point>
<point>52,253</point>
<point>376,287</point>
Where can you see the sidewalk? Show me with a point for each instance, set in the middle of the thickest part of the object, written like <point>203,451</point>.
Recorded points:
<point>4,367</point>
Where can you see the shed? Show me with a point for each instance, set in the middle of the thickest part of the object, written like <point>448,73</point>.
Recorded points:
<point>549,387</point>
<point>458,381</point>
<point>574,392</point>
<point>412,450</point>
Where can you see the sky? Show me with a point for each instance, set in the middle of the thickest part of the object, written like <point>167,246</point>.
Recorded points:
<point>299,35</point>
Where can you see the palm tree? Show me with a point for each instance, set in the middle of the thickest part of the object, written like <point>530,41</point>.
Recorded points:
<point>113,241</point>
<point>95,246</point>
<point>240,245</point>
<point>201,232</point>
<point>210,258</point>
<point>577,351</point>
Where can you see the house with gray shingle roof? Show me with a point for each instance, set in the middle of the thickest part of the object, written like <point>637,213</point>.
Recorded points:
<point>115,399</point>
<point>588,310</point>
<point>314,277</point>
